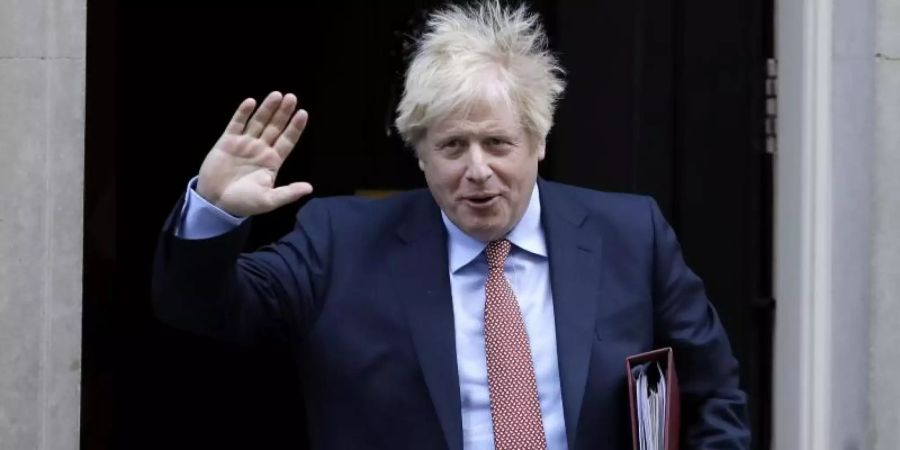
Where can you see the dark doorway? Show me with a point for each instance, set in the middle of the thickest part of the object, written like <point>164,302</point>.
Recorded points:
<point>665,98</point>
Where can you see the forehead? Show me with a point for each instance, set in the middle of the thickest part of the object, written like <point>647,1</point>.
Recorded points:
<point>484,115</point>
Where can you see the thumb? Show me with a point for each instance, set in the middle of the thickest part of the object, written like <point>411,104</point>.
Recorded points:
<point>290,193</point>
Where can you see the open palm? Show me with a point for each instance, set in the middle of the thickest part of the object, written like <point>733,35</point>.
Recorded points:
<point>238,174</point>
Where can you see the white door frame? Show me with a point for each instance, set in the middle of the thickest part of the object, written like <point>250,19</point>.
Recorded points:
<point>803,226</point>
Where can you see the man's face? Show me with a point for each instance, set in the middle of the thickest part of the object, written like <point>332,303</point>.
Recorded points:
<point>481,168</point>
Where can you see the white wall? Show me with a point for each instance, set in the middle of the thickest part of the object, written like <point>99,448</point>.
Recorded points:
<point>853,131</point>
<point>838,226</point>
<point>42,70</point>
<point>884,381</point>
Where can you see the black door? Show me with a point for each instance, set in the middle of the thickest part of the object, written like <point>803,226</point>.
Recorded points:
<point>665,98</point>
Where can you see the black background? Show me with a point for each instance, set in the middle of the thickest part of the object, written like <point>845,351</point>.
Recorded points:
<point>665,98</point>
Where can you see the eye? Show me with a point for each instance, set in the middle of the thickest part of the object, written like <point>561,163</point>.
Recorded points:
<point>494,141</point>
<point>452,143</point>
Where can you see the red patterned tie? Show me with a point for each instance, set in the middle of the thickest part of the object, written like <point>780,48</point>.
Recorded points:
<point>515,409</point>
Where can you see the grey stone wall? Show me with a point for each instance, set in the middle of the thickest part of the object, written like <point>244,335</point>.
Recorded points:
<point>884,384</point>
<point>42,78</point>
<point>852,131</point>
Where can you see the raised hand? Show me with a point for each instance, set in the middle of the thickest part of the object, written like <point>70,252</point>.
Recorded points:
<point>238,174</point>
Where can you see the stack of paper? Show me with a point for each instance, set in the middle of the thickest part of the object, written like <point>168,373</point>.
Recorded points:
<point>651,405</point>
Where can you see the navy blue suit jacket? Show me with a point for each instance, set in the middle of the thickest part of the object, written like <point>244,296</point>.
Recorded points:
<point>361,291</point>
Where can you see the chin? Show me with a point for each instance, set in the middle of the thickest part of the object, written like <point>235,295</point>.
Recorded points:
<point>485,233</point>
<point>484,227</point>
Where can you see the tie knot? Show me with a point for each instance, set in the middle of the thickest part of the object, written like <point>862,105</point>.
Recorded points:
<point>496,253</point>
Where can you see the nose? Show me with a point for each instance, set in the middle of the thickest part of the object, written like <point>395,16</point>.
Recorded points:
<point>477,168</point>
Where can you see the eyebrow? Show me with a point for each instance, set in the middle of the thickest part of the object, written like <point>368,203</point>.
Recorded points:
<point>466,131</point>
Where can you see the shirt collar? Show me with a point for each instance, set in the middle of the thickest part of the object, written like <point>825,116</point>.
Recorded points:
<point>526,235</point>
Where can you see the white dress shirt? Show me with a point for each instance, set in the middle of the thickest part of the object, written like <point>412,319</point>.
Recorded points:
<point>528,271</point>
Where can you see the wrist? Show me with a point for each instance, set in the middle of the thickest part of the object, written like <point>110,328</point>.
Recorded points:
<point>203,191</point>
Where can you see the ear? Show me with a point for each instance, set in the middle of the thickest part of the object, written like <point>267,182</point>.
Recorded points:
<point>542,149</point>
<point>421,165</point>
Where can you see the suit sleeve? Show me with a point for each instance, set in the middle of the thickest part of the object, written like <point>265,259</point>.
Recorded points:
<point>210,287</point>
<point>714,408</point>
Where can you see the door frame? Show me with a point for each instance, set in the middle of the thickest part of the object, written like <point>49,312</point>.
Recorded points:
<point>803,226</point>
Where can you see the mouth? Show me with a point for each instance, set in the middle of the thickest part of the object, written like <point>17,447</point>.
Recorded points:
<point>480,201</point>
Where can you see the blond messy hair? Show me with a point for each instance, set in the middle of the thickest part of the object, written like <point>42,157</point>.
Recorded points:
<point>461,48</point>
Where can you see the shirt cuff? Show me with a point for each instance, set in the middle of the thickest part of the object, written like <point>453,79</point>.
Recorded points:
<point>201,219</point>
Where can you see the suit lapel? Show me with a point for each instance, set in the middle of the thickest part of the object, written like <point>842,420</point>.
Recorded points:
<point>421,274</point>
<point>574,274</point>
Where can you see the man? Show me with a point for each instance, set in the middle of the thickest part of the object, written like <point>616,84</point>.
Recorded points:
<point>493,310</point>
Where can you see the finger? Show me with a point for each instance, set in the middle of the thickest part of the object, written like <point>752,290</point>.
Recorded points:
<point>263,114</point>
<point>276,125</point>
<point>239,119</point>
<point>283,195</point>
<point>291,133</point>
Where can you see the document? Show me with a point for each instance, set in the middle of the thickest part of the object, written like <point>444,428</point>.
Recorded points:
<point>651,405</point>
<point>654,400</point>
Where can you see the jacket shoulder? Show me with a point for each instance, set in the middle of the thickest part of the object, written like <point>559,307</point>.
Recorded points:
<point>605,203</point>
<point>362,214</point>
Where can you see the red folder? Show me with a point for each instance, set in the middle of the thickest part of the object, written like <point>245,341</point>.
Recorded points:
<point>666,360</point>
